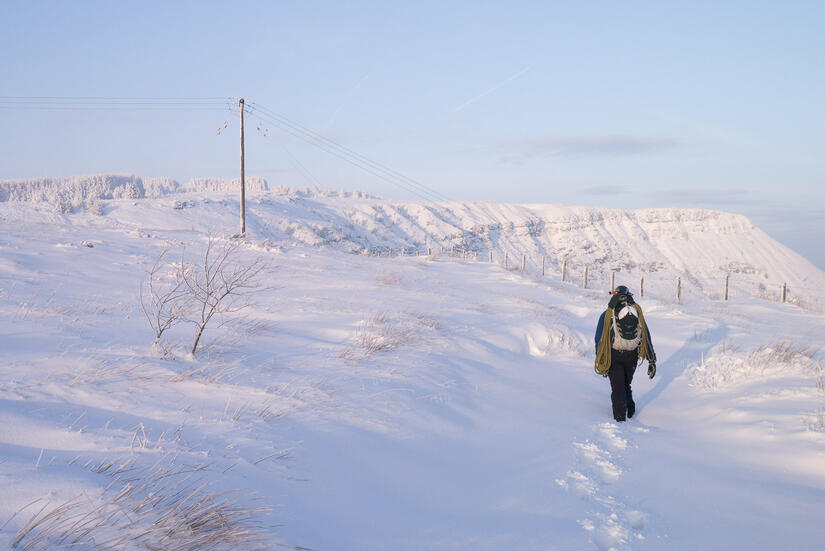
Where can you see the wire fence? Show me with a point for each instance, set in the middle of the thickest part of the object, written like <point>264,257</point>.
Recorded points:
<point>663,285</point>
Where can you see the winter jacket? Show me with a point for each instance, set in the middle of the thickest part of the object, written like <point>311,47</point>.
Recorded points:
<point>603,352</point>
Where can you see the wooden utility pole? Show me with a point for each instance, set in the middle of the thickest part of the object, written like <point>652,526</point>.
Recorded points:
<point>727,280</point>
<point>243,183</point>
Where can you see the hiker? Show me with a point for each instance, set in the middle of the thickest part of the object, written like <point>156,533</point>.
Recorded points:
<point>622,342</point>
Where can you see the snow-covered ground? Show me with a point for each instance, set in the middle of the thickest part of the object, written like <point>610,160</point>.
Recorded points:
<point>416,402</point>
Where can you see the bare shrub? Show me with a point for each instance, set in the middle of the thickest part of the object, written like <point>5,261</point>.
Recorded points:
<point>220,284</point>
<point>167,506</point>
<point>165,299</point>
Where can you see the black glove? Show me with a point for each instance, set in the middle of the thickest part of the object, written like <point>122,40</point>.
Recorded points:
<point>615,300</point>
<point>651,369</point>
<point>630,298</point>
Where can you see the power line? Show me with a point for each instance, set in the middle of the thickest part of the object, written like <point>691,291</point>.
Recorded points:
<point>222,103</point>
<point>334,148</point>
<point>49,103</point>
<point>316,137</point>
<point>106,108</point>
<point>72,98</point>
<point>340,155</point>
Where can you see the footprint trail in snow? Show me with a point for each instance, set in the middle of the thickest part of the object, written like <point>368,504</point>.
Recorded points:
<point>611,524</point>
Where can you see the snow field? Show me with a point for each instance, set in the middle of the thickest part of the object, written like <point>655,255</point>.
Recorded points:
<point>404,403</point>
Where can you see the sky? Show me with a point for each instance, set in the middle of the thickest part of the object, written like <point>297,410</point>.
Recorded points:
<point>612,104</point>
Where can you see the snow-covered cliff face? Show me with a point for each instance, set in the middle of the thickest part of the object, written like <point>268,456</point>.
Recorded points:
<point>699,246</point>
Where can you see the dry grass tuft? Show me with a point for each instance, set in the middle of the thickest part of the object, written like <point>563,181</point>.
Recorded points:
<point>168,506</point>
<point>728,365</point>
<point>385,332</point>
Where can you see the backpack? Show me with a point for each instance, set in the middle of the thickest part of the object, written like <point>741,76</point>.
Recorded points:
<point>627,333</point>
<point>627,322</point>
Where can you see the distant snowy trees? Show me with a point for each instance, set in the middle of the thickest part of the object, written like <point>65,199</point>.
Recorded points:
<point>85,192</point>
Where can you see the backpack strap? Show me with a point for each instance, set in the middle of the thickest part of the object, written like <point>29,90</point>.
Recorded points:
<point>645,349</point>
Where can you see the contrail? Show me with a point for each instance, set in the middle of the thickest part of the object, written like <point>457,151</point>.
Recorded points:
<point>345,99</point>
<point>491,90</point>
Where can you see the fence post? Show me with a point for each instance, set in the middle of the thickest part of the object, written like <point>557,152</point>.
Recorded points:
<point>564,270</point>
<point>585,277</point>
<point>784,291</point>
<point>727,279</point>
<point>491,256</point>
<point>452,251</point>
<point>429,251</point>
<point>678,289</point>
<point>612,281</point>
<point>523,262</point>
<point>542,266</point>
<point>642,287</point>
<point>506,261</point>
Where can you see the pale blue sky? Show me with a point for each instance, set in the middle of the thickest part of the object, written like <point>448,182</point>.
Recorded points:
<point>625,104</point>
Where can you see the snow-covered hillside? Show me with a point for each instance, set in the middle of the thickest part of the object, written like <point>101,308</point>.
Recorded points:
<point>361,402</point>
<point>700,247</point>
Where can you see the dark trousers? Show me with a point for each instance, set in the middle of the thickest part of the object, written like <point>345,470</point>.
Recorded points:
<point>622,367</point>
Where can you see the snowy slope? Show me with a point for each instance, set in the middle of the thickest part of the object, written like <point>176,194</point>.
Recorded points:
<point>477,424</point>
<point>699,246</point>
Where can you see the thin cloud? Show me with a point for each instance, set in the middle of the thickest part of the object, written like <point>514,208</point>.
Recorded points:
<point>605,190</point>
<point>587,147</point>
<point>345,98</point>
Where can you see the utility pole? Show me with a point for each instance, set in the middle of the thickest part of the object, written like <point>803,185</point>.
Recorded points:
<point>243,184</point>
<point>727,280</point>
